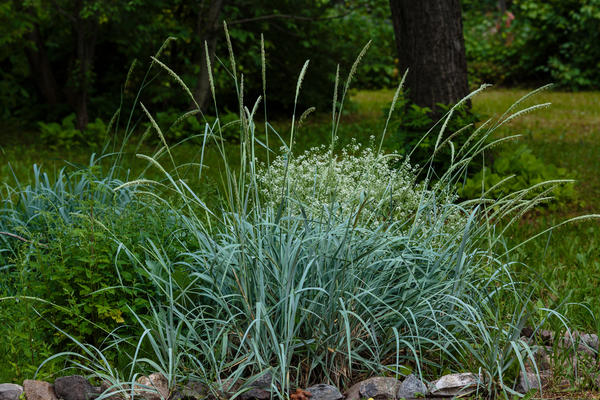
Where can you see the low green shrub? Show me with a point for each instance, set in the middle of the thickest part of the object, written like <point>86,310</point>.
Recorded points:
<point>535,41</point>
<point>516,169</point>
<point>63,267</point>
<point>494,47</point>
<point>65,135</point>
<point>409,123</point>
<point>568,55</point>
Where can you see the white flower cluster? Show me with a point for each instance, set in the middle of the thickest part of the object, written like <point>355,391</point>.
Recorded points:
<point>356,183</point>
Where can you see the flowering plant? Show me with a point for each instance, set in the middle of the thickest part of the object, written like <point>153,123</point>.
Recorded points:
<point>357,183</point>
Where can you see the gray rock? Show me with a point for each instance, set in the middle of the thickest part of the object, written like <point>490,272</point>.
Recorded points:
<point>74,387</point>
<point>228,385</point>
<point>156,387</point>
<point>324,392</point>
<point>10,391</point>
<point>412,388</point>
<point>587,344</point>
<point>260,388</point>
<point>455,385</point>
<point>107,387</point>
<point>192,390</point>
<point>529,380</point>
<point>38,390</point>
<point>263,381</point>
<point>546,336</point>
<point>591,340</point>
<point>353,393</point>
<point>543,360</point>
<point>256,394</point>
<point>379,388</point>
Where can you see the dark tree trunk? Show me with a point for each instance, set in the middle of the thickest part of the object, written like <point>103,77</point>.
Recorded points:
<point>86,32</point>
<point>502,6</point>
<point>207,29</point>
<point>41,68</point>
<point>430,43</point>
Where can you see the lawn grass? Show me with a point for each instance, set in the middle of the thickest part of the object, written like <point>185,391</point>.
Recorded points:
<point>566,134</point>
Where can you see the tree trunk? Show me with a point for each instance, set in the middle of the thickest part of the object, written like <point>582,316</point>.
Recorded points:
<point>430,43</point>
<point>86,32</point>
<point>41,68</point>
<point>502,6</point>
<point>207,28</point>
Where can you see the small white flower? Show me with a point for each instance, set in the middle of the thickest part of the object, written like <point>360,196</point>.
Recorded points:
<point>359,184</point>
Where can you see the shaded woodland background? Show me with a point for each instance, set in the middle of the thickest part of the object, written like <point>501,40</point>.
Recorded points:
<point>62,57</point>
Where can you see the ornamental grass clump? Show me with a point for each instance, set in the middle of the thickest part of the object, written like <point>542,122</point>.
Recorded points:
<point>31,211</point>
<point>320,267</point>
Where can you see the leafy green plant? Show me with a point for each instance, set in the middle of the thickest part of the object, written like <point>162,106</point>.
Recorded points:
<point>77,271</point>
<point>534,41</point>
<point>409,123</point>
<point>26,337</point>
<point>514,169</point>
<point>62,266</point>
<point>66,135</point>
<point>494,47</point>
<point>569,54</point>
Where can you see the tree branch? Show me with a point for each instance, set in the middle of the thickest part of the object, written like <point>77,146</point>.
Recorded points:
<point>289,16</point>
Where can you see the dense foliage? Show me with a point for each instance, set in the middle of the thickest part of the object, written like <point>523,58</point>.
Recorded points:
<point>63,268</point>
<point>534,42</point>
<point>228,286</point>
<point>515,168</point>
<point>322,266</point>
<point>70,56</point>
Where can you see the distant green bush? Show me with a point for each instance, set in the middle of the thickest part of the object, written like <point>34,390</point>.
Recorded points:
<point>494,48</point>
<point>65,135</point>
<point>266,276</point>
<point>564,39</point>
<point>516,169</point>
<point>535,42</point>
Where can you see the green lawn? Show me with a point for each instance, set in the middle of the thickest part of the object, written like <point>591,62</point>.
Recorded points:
<point>566,134</point>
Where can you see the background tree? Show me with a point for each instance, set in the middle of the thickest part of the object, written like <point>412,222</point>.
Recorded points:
<point>430,43</point>
<point>59,57</point>
<point>59,39</point>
